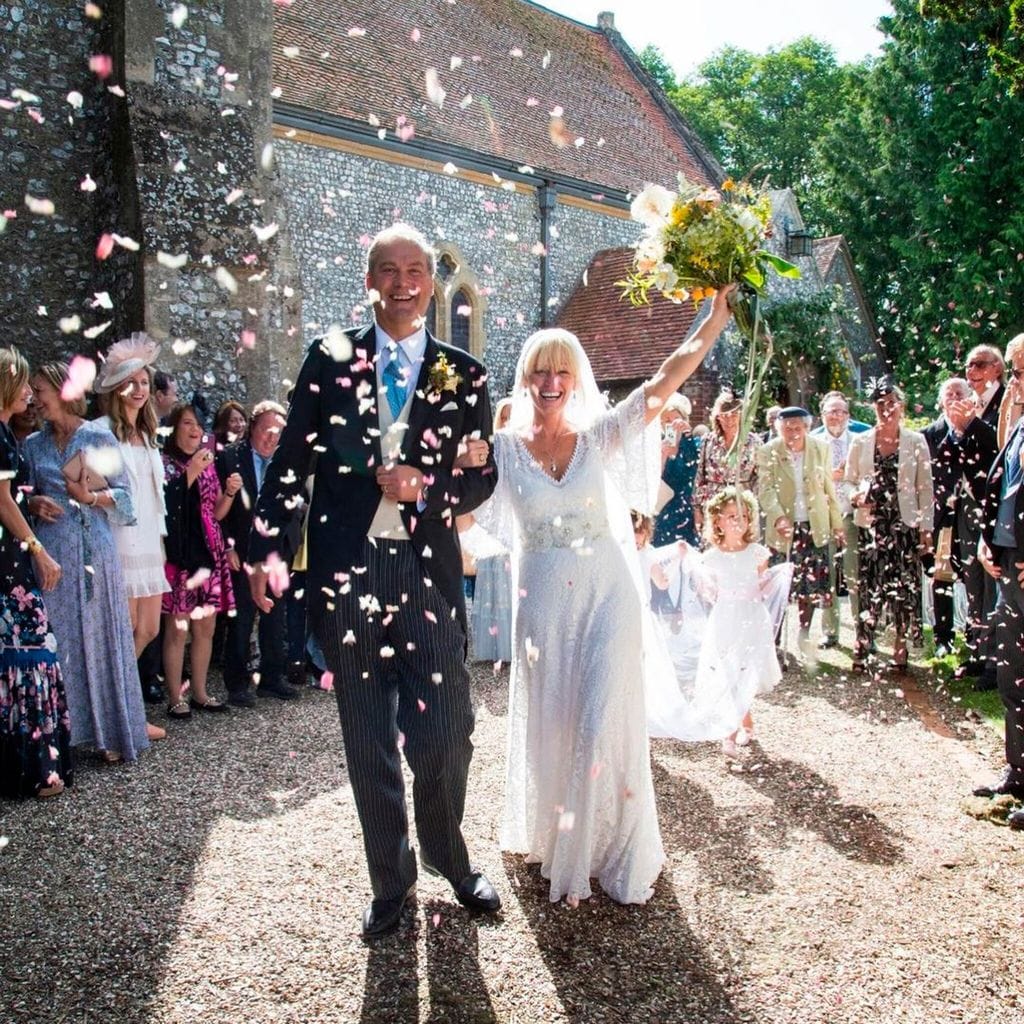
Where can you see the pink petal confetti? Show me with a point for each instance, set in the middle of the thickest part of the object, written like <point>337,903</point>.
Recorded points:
<point>414,35</point>
<point>102,65</point>
<point>327,681</point>
<point>277,573</point>
<point>93,11</point>
<point>105,246</point>
<point>405,132</point>
<point>248,339</point>
<point>81,374</point>
<point>356,33</point>
<point>420,704</point>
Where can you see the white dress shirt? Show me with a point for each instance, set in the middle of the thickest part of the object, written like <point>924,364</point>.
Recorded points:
<point>387,523</point>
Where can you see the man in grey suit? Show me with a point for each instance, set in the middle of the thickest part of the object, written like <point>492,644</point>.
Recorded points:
<point>387,409</point>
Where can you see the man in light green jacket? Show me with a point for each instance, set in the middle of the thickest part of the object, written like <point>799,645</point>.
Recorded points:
<point>801,510</point>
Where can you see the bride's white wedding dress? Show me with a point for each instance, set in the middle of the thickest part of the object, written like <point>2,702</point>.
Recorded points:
<point>579,794</point>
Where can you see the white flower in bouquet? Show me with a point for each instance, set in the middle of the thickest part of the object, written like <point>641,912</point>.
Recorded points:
<point>665,278</point>
<point>650,252</point>
<point>652,206</point>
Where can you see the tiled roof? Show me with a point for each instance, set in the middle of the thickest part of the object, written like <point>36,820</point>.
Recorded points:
<point>623,342</point>
<point>825,250</point>
<point>520,63</point>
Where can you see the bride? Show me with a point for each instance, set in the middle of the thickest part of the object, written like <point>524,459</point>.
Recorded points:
<point>579,796</point>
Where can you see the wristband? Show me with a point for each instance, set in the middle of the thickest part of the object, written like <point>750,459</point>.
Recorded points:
<point>95,495</point>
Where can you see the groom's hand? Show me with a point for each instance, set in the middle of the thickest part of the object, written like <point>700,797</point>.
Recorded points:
<point>399,482</point>
<point>258,588</point>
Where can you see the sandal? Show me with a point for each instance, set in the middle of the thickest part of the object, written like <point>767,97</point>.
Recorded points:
<point>50,791</point>
<point>179,709</point>
<point>210,704</point>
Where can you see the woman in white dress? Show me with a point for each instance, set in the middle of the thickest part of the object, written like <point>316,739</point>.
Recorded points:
<point>579,794</point>
<point>125,381</point>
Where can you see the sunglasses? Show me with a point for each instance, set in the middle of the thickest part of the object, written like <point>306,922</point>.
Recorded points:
<point>980,364</point>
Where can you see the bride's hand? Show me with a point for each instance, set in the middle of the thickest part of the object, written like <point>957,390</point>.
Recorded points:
<point>473,453</point>
<point>720,308</point>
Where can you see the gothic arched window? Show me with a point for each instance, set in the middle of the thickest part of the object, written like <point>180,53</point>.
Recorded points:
<point>461,315</point>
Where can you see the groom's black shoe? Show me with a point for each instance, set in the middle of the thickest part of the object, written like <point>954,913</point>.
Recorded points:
<point>382,916</point>
<point>476,893</point>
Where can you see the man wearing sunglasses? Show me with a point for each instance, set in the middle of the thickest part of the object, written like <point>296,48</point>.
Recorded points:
<point>985,371</point>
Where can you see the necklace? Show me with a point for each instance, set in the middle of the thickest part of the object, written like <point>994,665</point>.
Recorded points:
<point>549,454</point>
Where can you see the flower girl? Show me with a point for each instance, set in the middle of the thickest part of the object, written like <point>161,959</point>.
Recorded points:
<point>737,655</point>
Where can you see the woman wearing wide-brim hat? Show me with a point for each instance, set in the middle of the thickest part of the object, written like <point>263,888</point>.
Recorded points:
<point>125,383</point>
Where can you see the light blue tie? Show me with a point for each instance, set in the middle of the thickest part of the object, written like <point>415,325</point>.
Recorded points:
<point>395,383</point>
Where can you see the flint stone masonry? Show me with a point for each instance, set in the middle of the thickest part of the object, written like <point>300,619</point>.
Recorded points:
<point>48,270</point>
<point>336,201</point>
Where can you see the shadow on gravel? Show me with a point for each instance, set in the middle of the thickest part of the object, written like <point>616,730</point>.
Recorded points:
<point>95,882</point>
<point>391,989</point>
<point>803,799</point>
<point>490,688</point>
<point>721,838</point>
<point>610,964</point>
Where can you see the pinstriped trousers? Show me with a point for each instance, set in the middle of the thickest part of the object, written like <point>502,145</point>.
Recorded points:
<point>398,658</point>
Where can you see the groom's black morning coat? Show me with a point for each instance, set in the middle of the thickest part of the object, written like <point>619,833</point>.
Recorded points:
<point>333,416</point>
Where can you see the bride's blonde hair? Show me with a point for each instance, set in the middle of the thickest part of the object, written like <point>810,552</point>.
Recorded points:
<point>550,349</point>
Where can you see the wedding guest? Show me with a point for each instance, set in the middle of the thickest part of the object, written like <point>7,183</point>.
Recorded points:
<point>230,424</point>
<point>26,422</point>
<point>713,469</point>
<point>35,728</point>
<point>679,452</point>
<point>125,379</point>
<point>985,370</point>
<point>79,490</point>
<point>771,417</point>
<point>837,430</point>
<point>197,567</point>
<point>491,613</point>
<point>963,448</point>
<point>1009,409</point>
<point>165,395</point>
<point>241,468</point>
<point>1001,553</point>
<point>890,470</point>
<point>801,510</point>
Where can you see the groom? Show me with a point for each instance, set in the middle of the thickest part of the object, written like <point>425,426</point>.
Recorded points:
<point>383,409</point>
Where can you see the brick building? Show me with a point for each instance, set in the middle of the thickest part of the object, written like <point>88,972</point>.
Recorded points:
<point>242,155</point>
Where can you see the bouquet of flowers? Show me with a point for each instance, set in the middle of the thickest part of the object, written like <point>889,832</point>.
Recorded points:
<point>697,241</point>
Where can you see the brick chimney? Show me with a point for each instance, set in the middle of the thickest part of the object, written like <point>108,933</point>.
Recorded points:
<point>606,21</point>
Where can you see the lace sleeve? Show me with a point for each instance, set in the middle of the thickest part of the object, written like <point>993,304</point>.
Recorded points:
<point>495,515</point>
<point>632,451</point>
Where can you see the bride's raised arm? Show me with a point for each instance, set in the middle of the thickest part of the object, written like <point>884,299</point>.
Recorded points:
<point>689,355</point>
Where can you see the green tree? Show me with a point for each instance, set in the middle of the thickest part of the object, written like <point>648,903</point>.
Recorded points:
<point>999,25</point>
<point>765,114</point>
<point>657,66</point>
<point>923,175</point>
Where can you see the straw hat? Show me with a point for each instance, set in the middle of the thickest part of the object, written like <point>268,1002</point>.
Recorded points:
<point>125,358</point>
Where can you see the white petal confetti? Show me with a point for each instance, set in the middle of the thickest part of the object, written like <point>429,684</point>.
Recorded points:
<point>44,207</point>
<point>435,93</point>
<point>178,15</point>
<point>172,261</point>
<point>226,280</point>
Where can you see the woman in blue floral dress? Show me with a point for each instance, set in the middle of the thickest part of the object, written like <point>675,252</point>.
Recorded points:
<point>35,730</point>
<point>89,607</point>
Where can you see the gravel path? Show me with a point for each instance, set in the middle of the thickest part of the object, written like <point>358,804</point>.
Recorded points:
<point>833,877</point>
